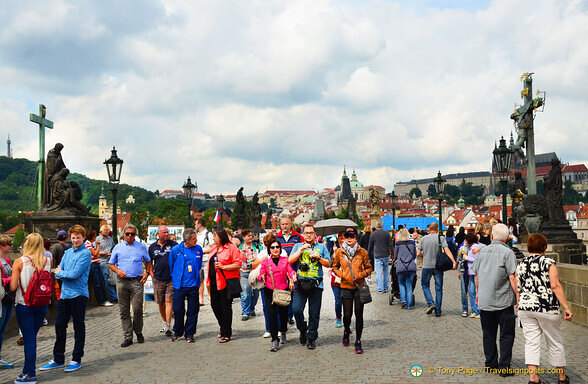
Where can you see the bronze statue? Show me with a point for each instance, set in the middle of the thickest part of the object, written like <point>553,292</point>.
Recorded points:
<point>53,165</point>
<point>239,210</point>
<point>375,200</point>
<point>255,213</point>
<point>554,193</point>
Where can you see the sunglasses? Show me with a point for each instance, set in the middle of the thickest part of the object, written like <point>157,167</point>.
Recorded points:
<point>275,247</point>
<point>349,236</point>
<point>130,234</point>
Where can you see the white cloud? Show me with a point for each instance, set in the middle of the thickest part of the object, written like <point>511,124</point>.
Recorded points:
<point>281,95</point>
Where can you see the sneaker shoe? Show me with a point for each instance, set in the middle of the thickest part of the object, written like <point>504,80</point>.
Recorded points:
<point>190,340</point>
<point>464,314</point>
<point>20,340</point>
<point>283,339</point>
<point>5,364</point>
<point>22,378</point>
<point>472,315</point>
<point>291,321</point>
<point>302,337</point>
<point>51,365</point>
<point>345,339</point>
<point>140,338</point>
<point>311,344</point>
<point>163,328</point>
<point>275,345</point>
<point>358,348</point>
<point>73,366</point>
<point>338,323</point>
<point>168,331</point>
<point>45,322</point>
<point>403,304</point>
<point>477,317</point>
<point>252,314</point>
<point>267,335</point>
<point>244,318</point>
<point>431,309</point>
<point>107,304</point>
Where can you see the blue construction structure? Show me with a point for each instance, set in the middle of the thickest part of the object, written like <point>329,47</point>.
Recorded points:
<point>409,222</point>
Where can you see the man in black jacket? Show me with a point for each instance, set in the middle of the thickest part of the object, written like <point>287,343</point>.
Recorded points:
<point>381,247</point>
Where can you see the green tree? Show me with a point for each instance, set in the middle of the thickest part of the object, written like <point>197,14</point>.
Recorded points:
<point>18,239</point>
<point>416,192</point>
<point>431,191</point>
<point>141,219</point>
<point>208,217</point>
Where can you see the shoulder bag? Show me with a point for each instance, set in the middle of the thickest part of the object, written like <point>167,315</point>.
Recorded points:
<point>280,297</point>
<point>233,285</point>
<point>443,262</point>
<point>364,291</point>
<point>253,278</point>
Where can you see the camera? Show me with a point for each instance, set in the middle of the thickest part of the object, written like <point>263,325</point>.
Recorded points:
<point>304,267</point>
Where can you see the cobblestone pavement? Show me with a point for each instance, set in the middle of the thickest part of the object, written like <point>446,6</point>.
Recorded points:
<point>394,339</point>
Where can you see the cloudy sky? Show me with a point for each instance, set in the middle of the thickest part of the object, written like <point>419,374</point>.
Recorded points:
<point>282,94</point>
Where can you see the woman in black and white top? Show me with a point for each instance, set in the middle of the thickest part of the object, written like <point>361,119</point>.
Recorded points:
<point>539,308</point>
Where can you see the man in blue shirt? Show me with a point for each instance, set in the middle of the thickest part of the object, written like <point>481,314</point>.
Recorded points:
<point>127,262</point>
<point>73,271</point>
<point>162,284</point>
<point>185,262</point>
<point>312,257</point>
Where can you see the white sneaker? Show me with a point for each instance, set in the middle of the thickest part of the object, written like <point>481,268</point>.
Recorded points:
<point>163,328</point>
<point>107,304</point>
<point>267,335</point>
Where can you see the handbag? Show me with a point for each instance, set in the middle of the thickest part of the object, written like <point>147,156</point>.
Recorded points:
<point>443,262</point>
<point>233,286</point>
<point>253,278</point>
<point>364,290</point>
<point>280,297</point>
<point>307,285</point>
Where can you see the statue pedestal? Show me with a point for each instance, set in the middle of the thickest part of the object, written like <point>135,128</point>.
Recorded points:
<point>374,217</point>
<point>47,224</point>
<point>564,241</point>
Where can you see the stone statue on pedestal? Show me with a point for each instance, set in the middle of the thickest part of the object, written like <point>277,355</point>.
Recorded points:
<point>239,212</point>
<point>375,200</point>
<point>554,193</point>
<point>255,213</point>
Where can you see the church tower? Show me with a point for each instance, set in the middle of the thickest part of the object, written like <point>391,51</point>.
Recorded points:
<point>345,186</point>
<point>102,207</point>
<point>8,150</point>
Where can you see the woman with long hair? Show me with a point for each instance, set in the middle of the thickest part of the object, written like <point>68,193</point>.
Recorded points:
<point>29,319</point>
<point>351,254</point>
<point>8,300</point>
<point>482,233</point>
<point>541,296</point>
<point>224,263</point>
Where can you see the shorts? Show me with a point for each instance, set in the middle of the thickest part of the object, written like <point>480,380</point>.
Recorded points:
<point>162,290</point>
<point>202,276</point>
<point>348,293</point>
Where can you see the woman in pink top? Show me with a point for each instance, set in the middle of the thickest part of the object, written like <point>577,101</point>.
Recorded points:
<point>284,278</point>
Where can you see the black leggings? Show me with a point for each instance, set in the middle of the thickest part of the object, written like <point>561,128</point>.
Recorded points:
<point>348,311</point>
<point>223,310</point>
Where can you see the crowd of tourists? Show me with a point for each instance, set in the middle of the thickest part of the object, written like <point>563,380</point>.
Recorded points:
<point>287,270</point>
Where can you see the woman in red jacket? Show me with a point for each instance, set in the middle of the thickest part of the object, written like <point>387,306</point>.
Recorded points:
<point>224,263</point>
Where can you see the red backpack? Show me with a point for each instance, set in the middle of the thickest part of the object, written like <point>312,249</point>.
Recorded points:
<point>40,288</point>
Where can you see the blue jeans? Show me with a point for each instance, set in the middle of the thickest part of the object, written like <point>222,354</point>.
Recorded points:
<point>249,296</point>
<point>98,282</point>
<point>338,302</point>
<point>382,277</point>
<point>314,298</point>
<point>405,283</point>
<point>74,309</point>
<point>472,294</point>
<point>110,288</point>
<point>6,312</point>
<point>187,328</point>
<point>464,290</point>
<point>30,320</point>
<point>425,282</point>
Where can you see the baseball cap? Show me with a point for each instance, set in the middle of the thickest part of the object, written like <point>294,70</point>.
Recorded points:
<point>350,232</point>
<point>61,234</point>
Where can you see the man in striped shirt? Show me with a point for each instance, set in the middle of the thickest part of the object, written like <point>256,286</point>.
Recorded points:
<point>289,238</point>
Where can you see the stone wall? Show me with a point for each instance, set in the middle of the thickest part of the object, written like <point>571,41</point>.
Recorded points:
<point>574,280</point>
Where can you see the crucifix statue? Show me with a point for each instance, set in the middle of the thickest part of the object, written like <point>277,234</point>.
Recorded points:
<point>523,117</point>
<point>43,123</point>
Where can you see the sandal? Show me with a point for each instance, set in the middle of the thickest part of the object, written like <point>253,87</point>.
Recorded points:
<point>536,382</point>
<point>564,381</point>
<point>224,340</point>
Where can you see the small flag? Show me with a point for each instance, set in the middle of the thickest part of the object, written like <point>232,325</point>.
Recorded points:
<point>217,217</point>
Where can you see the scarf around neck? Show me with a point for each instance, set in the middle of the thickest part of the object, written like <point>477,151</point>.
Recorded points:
<point>350,251</point>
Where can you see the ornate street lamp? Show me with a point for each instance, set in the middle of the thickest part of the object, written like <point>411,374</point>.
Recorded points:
<point>502,158</point>
<point>393,201</point>
<point>221,208</point>
<point>189,189</point>
<point>439,183</point>
<point>114,168</point>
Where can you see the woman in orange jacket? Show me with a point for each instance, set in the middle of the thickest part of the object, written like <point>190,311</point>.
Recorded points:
<point>352,254</point>
<point>224,262</point>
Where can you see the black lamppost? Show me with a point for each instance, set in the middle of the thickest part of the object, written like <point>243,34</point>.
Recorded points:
<point>440,187</point>
<point>502,157</point>
<point>221,208</point>
<point>189,189</point>
<point>114,167</point>
<point>393,201</point>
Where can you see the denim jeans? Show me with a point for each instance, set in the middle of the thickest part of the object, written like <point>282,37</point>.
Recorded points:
<point>30,320</point>
<point>314,298</point>
<point>187,328</point>
<point>338,302</point>
<point>472,294</point>
<point>110,288</point>
<point>426,281</point>
<point>464,281</point>
<point>249,296</point>
<point>98,282</point>
<point>405,283</point>
<point>74,309</point>
<point>6,312</point>
<point>382,277</point>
